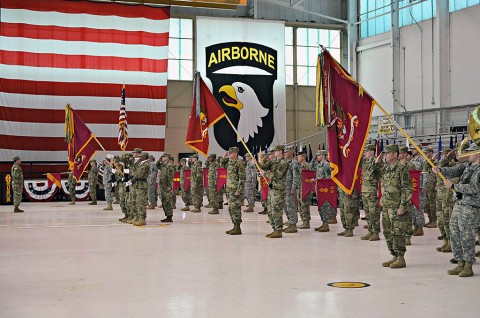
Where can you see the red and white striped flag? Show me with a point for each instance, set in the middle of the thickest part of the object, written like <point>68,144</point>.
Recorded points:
<point>57,51</point>
<point>122,123</point>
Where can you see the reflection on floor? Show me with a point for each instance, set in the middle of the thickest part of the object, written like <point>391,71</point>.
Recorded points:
<point>63,261</point>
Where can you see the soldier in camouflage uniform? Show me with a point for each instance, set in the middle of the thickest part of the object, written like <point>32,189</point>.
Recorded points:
<point>267,158</point>
<point>222,190</point>
<point>212,183</point>
<point>210,158</point>
<point>132,187</point>
<point>293,181</point>
<point>72,184</point>
<point>107,183</point>
<point>444,203</point>
<point>466,211</point>
<point>326,211</point>
<point>370,178</point>
<point>276,195</point>
<point>250,182</point>
<point>139,179</point>
<point>186,195</point>
<point>121,181</point>
<point>402,156</point>
<point>92,182</point>
<point>304,204</point>
<point>173,193</point>
<point>418,217</point>
<point>152,183</point>
<point>396,195</point>
<point>165,185</point>
<point>235,187</point>
<point>17,184</point>
<point>430,193</point>
<point>196,185</point>
<point>347,211</point>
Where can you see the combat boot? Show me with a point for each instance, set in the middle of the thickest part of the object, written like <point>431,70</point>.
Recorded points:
<point>342,233</point>
<point>374,237</point>
<point>72,203</point>
<point>140,222</point>
<point>208,206</point>
<point>439,249</point>
<point>276,234</point>
<point>93,203</point>
<point>305,225</point>
<point>236,230</point>
<point>399,263</point>
<point>168,219</point>
<point>187,208</point>
<point>477,254</point>
<point>17,209</point>
<point>418,232</point>
<point>196,210</point>
<point>348,233</point>
<point>408,242</point>
<point>388,263</point>
<point>432,225</point>
<point>174,206</point>
<point>467,270</point>
<point>263,212</point>
<point>268,235</point>
<point>292,228</point>
<point>229,231</point>
<point>123,219</point>
<point>250,209</point>
<point>150,207</point>
<point>108,208</point>
<point>214,211</point>
<point>457,270</point>
<point>366,236</point>
<point>333,220</point>
<point>447,249</point>
<point>356,222</point>
<point>323,228</point>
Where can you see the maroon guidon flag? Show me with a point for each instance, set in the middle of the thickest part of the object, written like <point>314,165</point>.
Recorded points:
<point>326,191</point>
<point>176,180</point>
<point>308,182</point>
<point>186,179</point>
<point>221,178</point>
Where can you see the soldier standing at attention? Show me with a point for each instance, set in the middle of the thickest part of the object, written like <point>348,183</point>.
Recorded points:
<point>396,195</point>
<point>235,187</point>
<point>326,211</point>
<point>430,193</point>
<point>92,182</point>
<point>276,195</point>
<point>466,211</point>
<point>370,177</point>
<point>165,186</point>
<point>122,195</point>
<point>303,203</point>
<point>17,184</point>
<point>212,183</point>
<point>139,179</point>
<point>107,183</point>
<point>173,193</point>
<point>72,184</point>
<point>267,158</point>
<point>132,196</point>
<point>196,179</point>
<point>186,195</point>
<point>402,157</point>
<point>250,182</point>
<point>293,181</point>
<point>152,184</point>
<point>210,159</point>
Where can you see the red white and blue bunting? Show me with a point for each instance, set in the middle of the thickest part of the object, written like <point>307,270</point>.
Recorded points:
<point>38,191</point>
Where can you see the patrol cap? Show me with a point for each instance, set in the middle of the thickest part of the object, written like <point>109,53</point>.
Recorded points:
<point>270,152</point>
<point>172,158</point>
<point>321,152</point>
<point>106,159</point>
<point>166,154</point>
<point>300,153</point>
<point>183,160</point>
<point>288,148</point>
<point>392,148</point>
<point>194,156</point>
<point>429,149</point>
<point>233,150</point>
<point>116,158</point>
<point>473,147</point>
<point>212,155</point>
<point>370,147</point>
<point>247,155</point>
<point>278,148</point>
<point>144,154</point>
<point>16,158</point>
<point>137,150</point>
<point>404,149</point>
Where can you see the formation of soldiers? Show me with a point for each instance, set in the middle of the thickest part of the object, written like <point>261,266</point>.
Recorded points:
<point>140,181</point>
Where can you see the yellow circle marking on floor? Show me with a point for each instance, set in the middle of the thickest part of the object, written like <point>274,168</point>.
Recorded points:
<point>349,285</point>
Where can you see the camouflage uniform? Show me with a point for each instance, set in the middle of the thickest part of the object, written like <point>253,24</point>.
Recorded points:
<point>132,196</point>
<point>250,183</point>
<point>186,195</point>
<point>304,204</point>
<point>430,194</point>
<point>444,204</point>
<point>72,184</point>
<point>122,194</point>
<point>347,210</point>
<point>235,186</point>
<point>107,183</point>
<point>92,182</point>
<point>152,185</point>
<point>327,211</point>
<point>276,195</point>
<point>139,179</point>
<point>396,193</point>
<point>197,184</point>
<point>370,177</point>
<point>212,185</point>
<point>410,207</point>
<point>17,184</point>
<point>418,217</point>
<point>165,186</point>
<point>465,217</point>
<point>293,181</point>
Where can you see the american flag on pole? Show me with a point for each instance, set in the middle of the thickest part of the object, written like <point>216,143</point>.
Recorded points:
<point>57,51</point>
<point>122,123</point>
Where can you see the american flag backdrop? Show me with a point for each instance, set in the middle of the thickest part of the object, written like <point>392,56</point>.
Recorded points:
<point>57,51</point>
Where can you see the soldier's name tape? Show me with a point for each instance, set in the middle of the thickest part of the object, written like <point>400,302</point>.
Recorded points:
<point>348,285</point>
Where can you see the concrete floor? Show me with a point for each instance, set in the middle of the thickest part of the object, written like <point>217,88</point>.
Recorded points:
<point>62,261</point>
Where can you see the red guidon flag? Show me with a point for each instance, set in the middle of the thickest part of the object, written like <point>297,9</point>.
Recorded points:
<point>221,178</point>
<point>326,191</point>
<point>308,182</point>
<point>186,179</point>
<point>54,178</point>
<point>176,180</point>
<point>348,110</point>
<point>415,176</point>
<point>265,182</point>
<point>205,112</point>
<point>205,178</point>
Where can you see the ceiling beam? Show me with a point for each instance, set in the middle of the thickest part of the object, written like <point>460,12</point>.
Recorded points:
<point>180,3</point>
<point>286,5</point>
